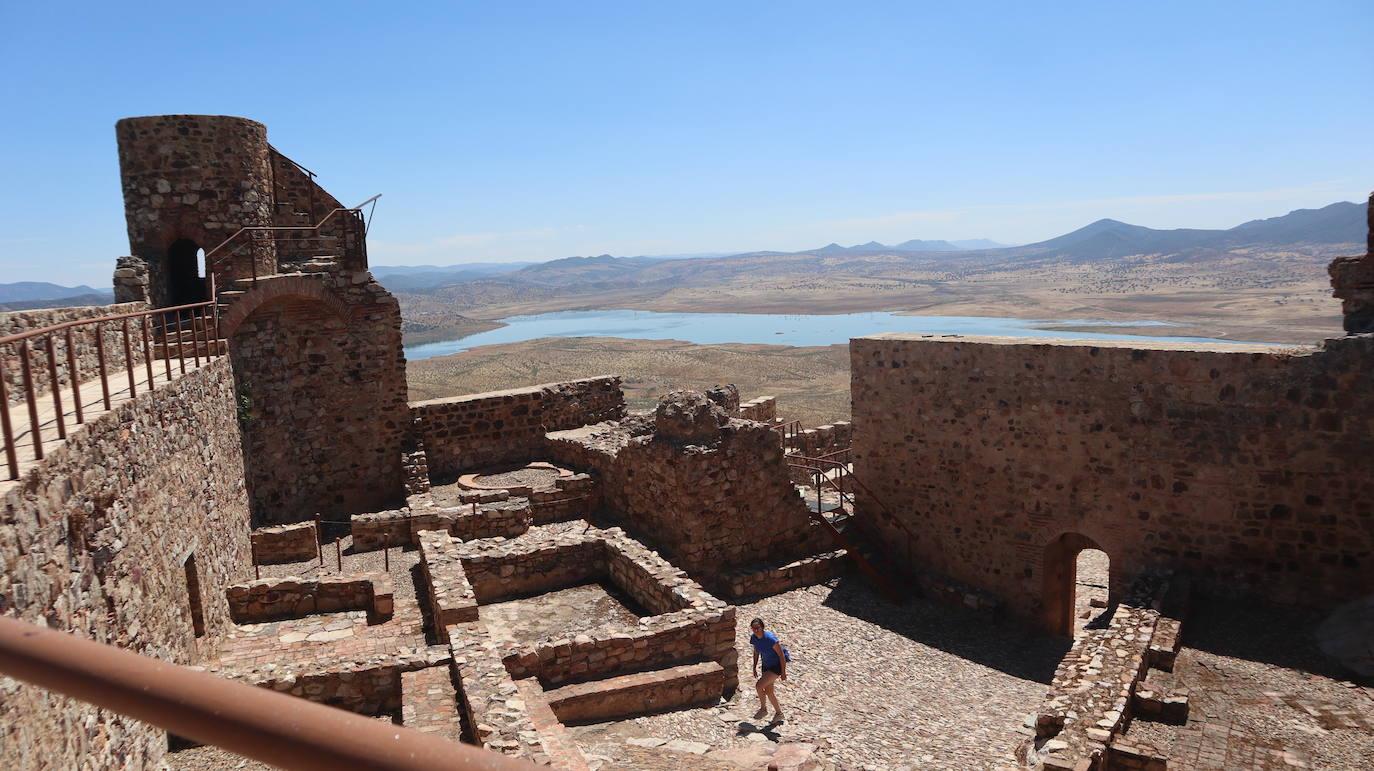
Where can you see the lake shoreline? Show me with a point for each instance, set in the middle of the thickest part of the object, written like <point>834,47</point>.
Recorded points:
<point>796,330</point>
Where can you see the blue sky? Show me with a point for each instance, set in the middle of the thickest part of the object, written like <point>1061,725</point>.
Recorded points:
<point>538,130</point>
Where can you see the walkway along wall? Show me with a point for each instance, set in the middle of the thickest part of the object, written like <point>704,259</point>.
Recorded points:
<point>109,537</point>
<point>1250,467</point>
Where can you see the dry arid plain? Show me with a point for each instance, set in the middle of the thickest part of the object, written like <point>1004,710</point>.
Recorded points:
<point>1280,296</point>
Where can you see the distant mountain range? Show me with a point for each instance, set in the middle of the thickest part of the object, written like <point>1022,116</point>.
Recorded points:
<point>21,291</point>
<point>1105,241</point>
<point>1338,223</point>
<point>914,245</point>
<point>30,295</point>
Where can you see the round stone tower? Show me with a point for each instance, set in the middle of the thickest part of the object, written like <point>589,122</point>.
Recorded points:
<point>191,182</point>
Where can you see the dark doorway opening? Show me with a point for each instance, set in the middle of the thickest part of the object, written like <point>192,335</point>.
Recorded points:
<point>193,596</point>
<point>185,279</point>
<point>1075,580</point>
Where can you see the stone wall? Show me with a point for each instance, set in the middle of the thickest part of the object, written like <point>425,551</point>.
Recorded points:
<point>822,440</point>
<point>712,503</point>
<point>1096,687</point>
<point>429,702</point>
<point>466,433</point>
<point>83,339</point>
<point>99,539</point>
<point>763,409</point>
<point>320,370</point>
<point>1352,282</point>
<point>1247,466</point>
<point>300,201</point>
<point>286,543</point>
<point>451,599</point>
<point>492,703</point>
<point>681,686</point>
<point>507,517</point>
<point>274,599</point>
<point>368,685</point>
<point>501,569</point>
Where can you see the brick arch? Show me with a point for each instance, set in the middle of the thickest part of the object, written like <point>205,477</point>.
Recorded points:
<point>1058,568</point>
<point>279,288</point>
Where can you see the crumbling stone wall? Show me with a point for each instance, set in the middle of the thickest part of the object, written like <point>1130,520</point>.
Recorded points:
<point>713,493</point>
<point>764,409</point>
<point>822,440</point>
<point>274,599</point>
<point>1247,466</point>
<point>87,359</point>
<point>96,539</point>
<point>321,376</point>
<point>469,432</point>
<point>285,543</point>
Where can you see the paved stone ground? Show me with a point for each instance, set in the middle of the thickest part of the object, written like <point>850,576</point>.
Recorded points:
<point>1262,697</point>
<point>403,563</point>
<point>872,685</point>
<point>325,637</point>
<point>561,613</point>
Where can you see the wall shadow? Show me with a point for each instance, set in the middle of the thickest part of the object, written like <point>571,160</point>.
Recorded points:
<point>1247,629</point>
<point>1006,646</point>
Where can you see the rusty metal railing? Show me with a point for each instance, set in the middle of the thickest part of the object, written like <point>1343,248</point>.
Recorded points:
<point>163,331</point>
<point>844,482</point>
<point>355,211</point>
<point>788,430</point>
<point>258,723</point>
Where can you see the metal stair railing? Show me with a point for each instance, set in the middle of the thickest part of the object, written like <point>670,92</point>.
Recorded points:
<point>844,483</point>
<point>355,211</point>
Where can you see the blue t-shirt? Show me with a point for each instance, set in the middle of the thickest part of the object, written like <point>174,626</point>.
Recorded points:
<point>764,645</point>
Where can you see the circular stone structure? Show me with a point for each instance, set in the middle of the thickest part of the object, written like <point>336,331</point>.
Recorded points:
<point>521,480</point>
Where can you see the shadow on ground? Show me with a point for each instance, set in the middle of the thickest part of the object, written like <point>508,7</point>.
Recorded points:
<point>1004,646</point>
<point>1246,630</point>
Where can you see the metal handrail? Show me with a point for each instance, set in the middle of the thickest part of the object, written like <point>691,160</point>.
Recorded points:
<point>819,465</point>
<point>356,210</point>
<point>204,317</point>
<point>258,723</point>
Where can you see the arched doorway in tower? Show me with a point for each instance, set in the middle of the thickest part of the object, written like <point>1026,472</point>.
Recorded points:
<point>185,273</point>
<point>1076,586</point>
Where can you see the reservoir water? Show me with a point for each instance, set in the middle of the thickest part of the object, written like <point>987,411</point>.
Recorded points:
<point>771,329</point>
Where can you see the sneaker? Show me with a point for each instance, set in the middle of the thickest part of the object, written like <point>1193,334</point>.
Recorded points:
<point>778,719</point>
<point>762,711</point>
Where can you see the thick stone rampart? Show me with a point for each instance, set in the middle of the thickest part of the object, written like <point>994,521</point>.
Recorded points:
<point>321,379</point>
<point>107,537</point>
<point>1247,466</point>
<point>83,341</point>
<point>465,433</point>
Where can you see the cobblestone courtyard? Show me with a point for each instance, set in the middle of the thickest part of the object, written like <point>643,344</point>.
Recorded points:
<point>874,685</point>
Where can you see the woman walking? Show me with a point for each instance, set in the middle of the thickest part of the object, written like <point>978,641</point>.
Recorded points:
<point>767,647</point>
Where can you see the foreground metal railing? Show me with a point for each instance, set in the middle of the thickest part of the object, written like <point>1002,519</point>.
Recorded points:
<point>172,334</point>
<point>258,723</point>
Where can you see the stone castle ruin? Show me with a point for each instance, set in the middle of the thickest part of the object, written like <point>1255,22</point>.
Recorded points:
<point>500,568</point>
